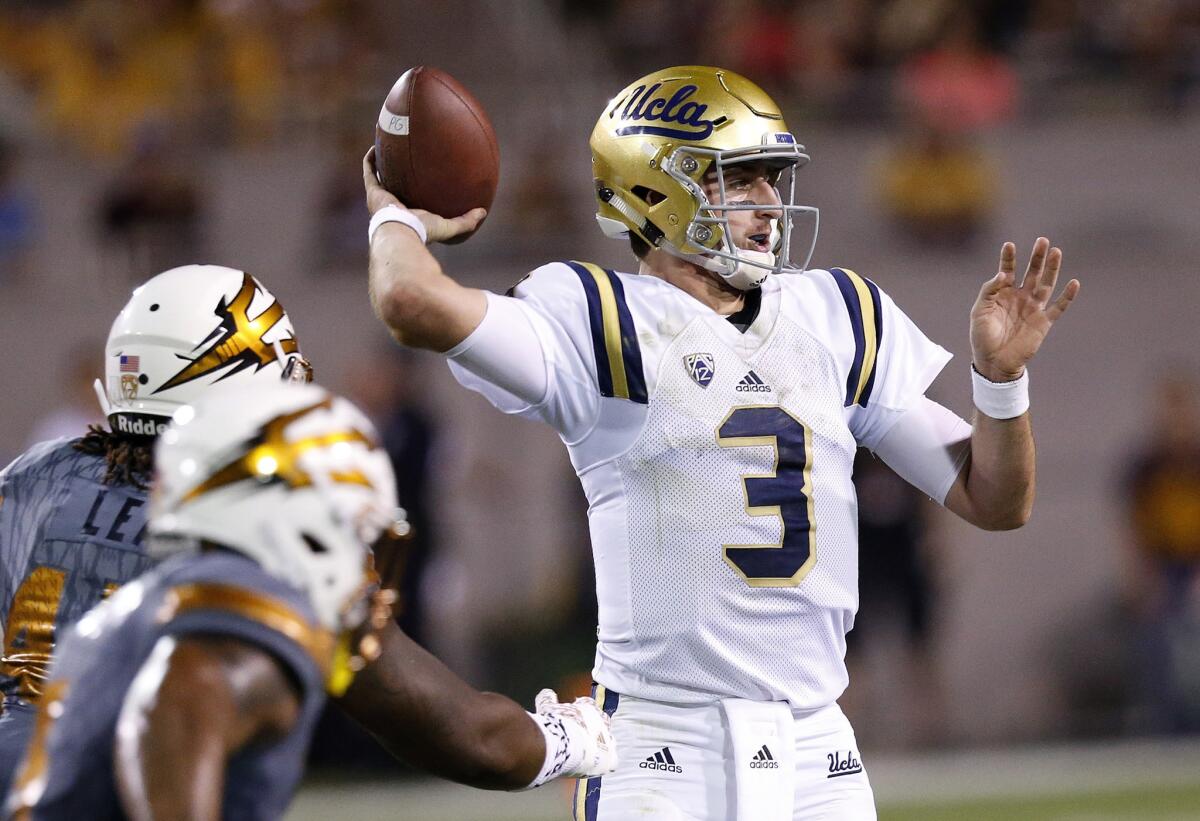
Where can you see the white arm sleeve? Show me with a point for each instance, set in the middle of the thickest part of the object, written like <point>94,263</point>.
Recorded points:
<point>523,359</point>
<point>503,357</point>
<point>927,447</point>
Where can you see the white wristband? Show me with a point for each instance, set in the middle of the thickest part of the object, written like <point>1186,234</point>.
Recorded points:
<point>560,757</point>
<point>394,213</point>
<point>1000,400</point>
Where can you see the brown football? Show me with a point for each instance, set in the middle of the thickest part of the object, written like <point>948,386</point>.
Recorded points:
<point>434,145</point>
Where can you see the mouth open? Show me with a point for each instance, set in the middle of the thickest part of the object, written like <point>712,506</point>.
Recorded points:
<point>759,242</point>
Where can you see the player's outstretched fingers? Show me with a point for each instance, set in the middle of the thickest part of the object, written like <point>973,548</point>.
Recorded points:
<point>1064,301</point>
<point>993,286</point>
<point>1045,286</point>
<point>545,698</point>
<point>1037,262</point>
<point>1008,258</point>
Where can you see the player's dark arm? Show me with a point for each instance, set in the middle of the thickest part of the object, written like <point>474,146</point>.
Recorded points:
<point>421,306</point>
<point>425,715</point>
<point>1009,323</point>
<point>195,702</point>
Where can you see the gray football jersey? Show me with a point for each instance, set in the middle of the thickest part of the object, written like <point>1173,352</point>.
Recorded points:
<point>66,541</point>
<point>68,770</point>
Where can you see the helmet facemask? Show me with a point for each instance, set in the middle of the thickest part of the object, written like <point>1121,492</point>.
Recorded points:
<point>709,236</point>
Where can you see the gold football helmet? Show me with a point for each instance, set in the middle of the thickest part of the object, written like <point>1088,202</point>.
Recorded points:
<point>660,137</point>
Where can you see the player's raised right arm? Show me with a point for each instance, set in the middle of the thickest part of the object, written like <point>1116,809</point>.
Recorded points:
<point>421,306</point>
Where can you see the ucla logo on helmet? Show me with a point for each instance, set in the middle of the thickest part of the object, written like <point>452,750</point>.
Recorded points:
<point>646,104</point>
<point>700,368</point>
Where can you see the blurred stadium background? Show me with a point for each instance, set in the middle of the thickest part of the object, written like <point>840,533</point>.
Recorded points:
<point>1049,673</point>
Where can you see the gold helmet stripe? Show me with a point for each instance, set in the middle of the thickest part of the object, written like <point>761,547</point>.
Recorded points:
<point>269,457</point>
<point>237,340</point>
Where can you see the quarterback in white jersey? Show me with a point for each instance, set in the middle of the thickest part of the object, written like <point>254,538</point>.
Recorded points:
<point>712,404</point>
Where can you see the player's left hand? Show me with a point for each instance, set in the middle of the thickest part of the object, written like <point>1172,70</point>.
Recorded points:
<point>1009,322</point>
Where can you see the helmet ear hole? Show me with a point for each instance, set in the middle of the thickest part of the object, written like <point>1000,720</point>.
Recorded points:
<point>648,195</point>
<point>314,544</point>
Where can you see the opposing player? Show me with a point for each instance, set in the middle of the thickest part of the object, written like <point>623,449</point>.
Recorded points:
<point>72,511</point>
<point>193,691</point>
<point>712,405</point>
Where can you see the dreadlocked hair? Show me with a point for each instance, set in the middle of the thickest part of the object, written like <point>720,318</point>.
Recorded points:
<point>130,458</point>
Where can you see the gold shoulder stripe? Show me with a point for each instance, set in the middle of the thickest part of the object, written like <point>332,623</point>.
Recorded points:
<point>258,607</point>
<point>619,371</point>
<point>866,304</point>
<point>612,329</point>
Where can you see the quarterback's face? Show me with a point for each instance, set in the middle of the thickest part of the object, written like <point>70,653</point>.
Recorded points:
<point>748,184</point>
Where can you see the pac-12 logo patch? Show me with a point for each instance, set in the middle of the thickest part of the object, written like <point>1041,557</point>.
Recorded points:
<point>700,368</point>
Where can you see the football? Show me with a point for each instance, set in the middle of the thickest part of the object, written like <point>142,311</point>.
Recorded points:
<point>435,148</point>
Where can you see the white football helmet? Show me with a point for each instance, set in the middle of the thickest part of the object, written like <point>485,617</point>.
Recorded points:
<point>288,475</point>
<point>654,147</point>
<point>185,330</point>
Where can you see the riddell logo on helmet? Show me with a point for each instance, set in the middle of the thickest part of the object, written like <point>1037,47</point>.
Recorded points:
<point>140,425</point>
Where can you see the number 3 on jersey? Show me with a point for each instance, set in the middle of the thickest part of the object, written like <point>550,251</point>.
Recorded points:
<point>786,492</point>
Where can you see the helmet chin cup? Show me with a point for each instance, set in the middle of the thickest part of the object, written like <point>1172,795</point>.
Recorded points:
<point>752,269</point>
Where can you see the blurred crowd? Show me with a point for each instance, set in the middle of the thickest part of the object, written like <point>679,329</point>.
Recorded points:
<point>138,87</point>
<point>827,50</point>
<point>941,74</point>
<point>217,72</point>
<point>142,91</point>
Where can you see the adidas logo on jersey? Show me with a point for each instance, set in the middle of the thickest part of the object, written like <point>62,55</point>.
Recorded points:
<point>661,760</point>
<point>763,760</point>
<point>752,383</point>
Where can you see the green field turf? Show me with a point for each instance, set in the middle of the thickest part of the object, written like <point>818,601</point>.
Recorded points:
<point>439,804</point>
<point>1158,803</point>
<point>1157,780</point>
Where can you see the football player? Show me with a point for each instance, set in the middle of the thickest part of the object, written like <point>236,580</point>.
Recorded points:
<point>192,692</point>
<point>712,404</point>
<point>73,521</point>
<point>72,511</point>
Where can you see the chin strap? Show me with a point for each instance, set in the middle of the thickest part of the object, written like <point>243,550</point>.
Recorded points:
<point>752,267</point>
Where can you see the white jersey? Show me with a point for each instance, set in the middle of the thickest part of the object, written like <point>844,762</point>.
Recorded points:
<point>717,466</point>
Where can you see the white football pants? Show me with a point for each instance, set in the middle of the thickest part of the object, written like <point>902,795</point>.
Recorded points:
<point>731,760</point>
